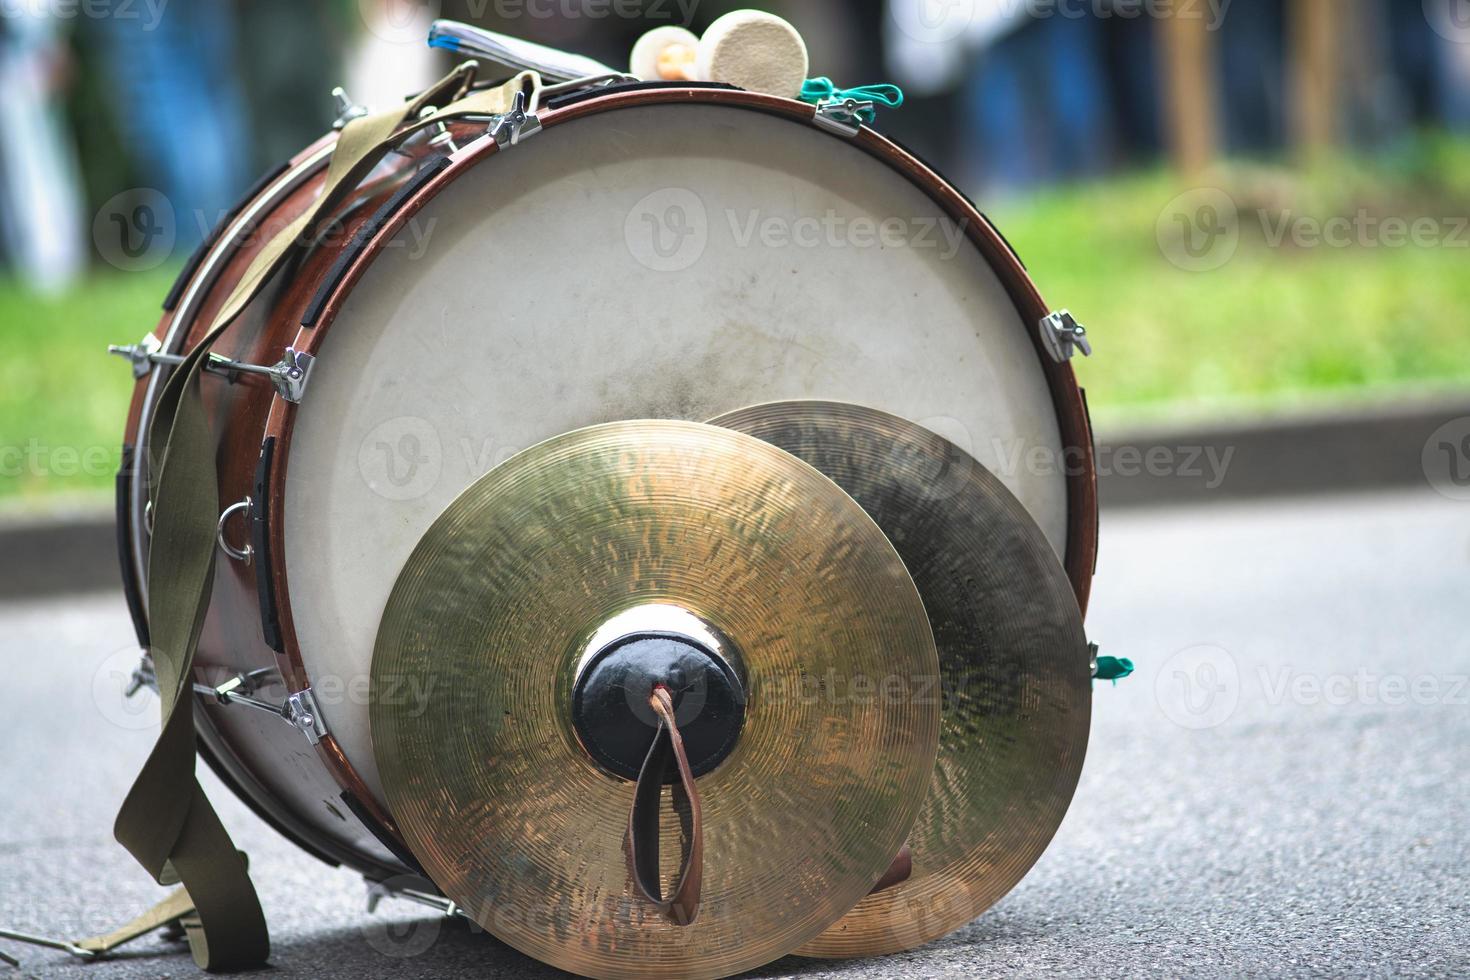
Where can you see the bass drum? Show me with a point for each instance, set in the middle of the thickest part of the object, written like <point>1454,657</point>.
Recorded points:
<point>654,253</point>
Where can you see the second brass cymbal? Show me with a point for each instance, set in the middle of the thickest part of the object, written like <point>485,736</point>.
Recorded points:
<point>789,583</point>
<point>1013,656</point>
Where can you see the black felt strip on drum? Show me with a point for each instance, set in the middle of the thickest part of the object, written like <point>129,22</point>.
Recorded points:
<point>176,292</point>
<point>572,98</point>
<point>363,236</point>
<point>388,841</point>
<point>260,543</point>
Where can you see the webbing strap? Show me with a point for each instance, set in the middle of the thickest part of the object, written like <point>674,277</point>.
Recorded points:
<point>166,822</point>
<point>178,907</point>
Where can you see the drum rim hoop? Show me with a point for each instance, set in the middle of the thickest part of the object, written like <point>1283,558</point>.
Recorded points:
<point>1067,396</point>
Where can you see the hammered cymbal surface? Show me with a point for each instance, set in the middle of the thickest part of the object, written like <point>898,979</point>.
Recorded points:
<point>1013,657</point>
<point>485,776</point>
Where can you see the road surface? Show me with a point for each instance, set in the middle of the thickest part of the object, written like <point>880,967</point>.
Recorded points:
<point>1281,789</point>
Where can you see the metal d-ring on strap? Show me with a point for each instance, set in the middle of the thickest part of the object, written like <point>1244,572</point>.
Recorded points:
<point>167,822</point>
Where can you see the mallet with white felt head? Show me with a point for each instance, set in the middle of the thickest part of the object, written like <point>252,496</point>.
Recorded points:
<point>749,49</point>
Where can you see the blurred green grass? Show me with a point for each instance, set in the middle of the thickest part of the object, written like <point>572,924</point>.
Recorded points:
<point>1274,328</point>
<point>63,399</point>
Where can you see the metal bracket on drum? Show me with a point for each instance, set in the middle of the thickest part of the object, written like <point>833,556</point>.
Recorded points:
<point>379,890</point>
<point>143,676</point>
<point>510,128</point>
<point>843,116</point>
<point>1063,337</point>
<point>300,709</point>
<point>289,376</point>
<point>347,110</point>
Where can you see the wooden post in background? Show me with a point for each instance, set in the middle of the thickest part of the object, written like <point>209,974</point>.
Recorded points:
<point>1314,73</point>
<point>1191,118</point>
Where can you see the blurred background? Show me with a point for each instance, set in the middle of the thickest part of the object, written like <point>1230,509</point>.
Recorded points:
<point>1258,207</point>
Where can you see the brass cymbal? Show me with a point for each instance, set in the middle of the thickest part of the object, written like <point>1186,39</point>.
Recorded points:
<point>487,778</point>
<point>1012,653</point>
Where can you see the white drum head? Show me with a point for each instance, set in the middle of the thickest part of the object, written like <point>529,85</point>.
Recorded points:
<point>670,262</point>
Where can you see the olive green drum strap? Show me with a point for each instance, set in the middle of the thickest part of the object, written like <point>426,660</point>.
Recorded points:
<point>166,822</point>
<point>177,908</point>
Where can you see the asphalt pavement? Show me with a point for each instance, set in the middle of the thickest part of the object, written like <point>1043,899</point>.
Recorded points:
<point>1279,790</point>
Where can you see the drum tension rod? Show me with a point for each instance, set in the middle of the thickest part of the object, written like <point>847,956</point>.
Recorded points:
<point>289,377</point>
<point>379,890</point>
<point>300,710</point>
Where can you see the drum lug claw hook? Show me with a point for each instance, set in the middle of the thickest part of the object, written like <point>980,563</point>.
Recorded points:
<point>289,376</point>
<point>347,110</point>
<point>1063,336</point>
<point>517,124</point>
<point>844,116</point>
<point>300,709</point>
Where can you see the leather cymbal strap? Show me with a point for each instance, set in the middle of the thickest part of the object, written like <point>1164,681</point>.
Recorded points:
<point>682,906</point>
